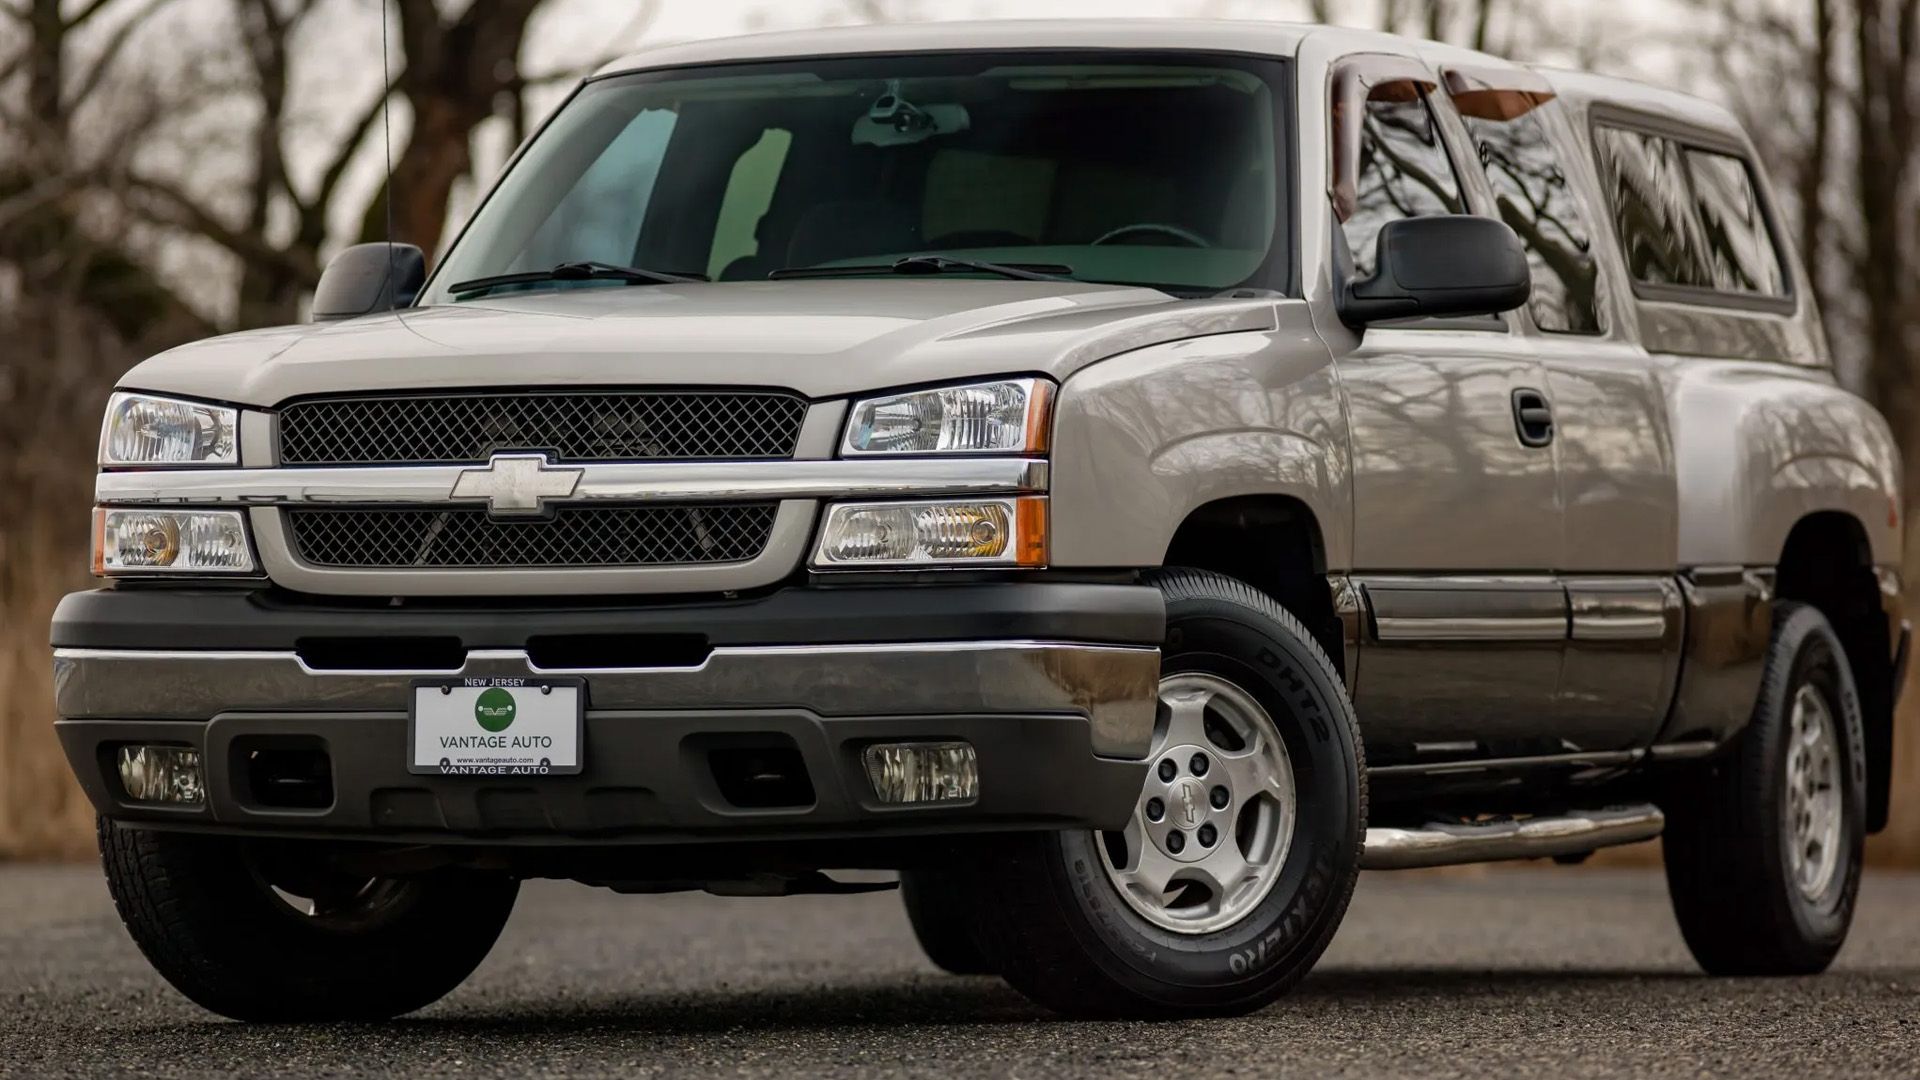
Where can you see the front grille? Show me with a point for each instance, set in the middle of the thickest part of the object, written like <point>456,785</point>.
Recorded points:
<point>597,536</point>
<point>576,427</point>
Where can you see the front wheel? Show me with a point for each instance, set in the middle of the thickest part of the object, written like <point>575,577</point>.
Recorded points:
<point>1763,847</point>
<point>939,903</point>
<point>1236,865</point>
<point>258,932</point>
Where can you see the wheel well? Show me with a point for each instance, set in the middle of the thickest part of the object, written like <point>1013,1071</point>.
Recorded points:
<point>1828,563</point>
<point>1272,543</point>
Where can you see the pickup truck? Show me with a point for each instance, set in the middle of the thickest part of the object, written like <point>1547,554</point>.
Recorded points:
<point>1125,477</point>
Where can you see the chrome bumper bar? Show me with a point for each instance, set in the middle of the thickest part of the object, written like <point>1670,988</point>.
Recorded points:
<point>1114,687</point>
<point>406,485</point>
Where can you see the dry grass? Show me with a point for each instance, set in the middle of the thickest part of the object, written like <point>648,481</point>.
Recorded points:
<point>42,813</point>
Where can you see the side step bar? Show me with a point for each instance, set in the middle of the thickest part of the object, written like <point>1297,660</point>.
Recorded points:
<point>1520,838</point>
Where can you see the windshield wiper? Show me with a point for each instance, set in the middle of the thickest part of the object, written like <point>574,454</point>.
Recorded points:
<point>578,271</point>
<point>934,264</point>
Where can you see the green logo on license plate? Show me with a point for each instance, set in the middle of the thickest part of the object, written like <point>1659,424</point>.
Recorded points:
<point>494,709</point>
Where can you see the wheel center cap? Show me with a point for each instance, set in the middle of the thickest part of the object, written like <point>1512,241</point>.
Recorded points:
<point>1188,804</point>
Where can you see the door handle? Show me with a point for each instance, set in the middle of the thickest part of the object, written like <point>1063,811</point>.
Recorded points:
<point>1532,417</point>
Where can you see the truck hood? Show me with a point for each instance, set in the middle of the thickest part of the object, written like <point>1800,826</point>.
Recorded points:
<point>823,338</point>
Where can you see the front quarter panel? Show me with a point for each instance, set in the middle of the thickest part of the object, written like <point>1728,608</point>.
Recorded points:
<point>1144,438</point>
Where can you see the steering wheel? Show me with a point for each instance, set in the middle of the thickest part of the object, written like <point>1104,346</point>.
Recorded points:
<point>1193,239</point>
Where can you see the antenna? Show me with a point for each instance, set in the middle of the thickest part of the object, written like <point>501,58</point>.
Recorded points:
<point>386,144</point>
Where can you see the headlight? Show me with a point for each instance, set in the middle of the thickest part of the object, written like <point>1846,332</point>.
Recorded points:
<point>971,532</point>
<point>145,430</point>
<point>170,542</point>
<point>1006,417</point>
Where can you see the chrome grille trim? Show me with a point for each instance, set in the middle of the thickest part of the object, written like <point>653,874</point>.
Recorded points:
<point>410,485</point>
<point>785,548</point>
<point>677,534</point>
<point>569,426</point>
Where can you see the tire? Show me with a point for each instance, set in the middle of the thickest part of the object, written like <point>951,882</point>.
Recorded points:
<point>939,905</point>
<point>1054,917</point>
<point>1746,904</point>
<point>202,911</point>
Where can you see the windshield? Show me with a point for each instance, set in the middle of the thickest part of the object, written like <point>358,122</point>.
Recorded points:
<point>1157,169</point>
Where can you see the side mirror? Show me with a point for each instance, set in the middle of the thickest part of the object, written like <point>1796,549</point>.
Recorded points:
<point>366,278</point>
<point>1437,267</point>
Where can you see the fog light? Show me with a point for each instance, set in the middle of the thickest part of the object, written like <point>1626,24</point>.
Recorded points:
<point>161,774</point>
<point>923,772</point>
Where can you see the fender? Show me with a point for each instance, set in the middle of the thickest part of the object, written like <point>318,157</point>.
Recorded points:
<point>1143,438</point>
<point>1758,447</point>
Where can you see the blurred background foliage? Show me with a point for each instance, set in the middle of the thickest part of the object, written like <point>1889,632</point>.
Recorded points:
<point>171,169</point>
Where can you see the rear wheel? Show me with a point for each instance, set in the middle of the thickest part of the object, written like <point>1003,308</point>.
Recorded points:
<point>1763,847</point>
<point>258,932</point>
<point>1236,865</point>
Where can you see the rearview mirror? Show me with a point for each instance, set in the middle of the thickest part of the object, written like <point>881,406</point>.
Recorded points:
<point>1440,267</point>
<point>892,120</point>
<point>366,278</point>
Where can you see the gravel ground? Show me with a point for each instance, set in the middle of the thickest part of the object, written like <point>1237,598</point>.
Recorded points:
<point>1510,972</point>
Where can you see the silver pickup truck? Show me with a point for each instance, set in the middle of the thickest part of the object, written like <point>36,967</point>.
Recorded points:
<point>1126,477</point>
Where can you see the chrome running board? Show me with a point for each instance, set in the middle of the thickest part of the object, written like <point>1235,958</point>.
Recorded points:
<point>1519,838</point>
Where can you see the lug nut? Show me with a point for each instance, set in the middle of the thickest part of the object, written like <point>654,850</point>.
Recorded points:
<point>1207,836</point>
<point>1176,842</point>
<point>1168,769</point>
<point>1156,809</point>
<point>1198,764</point>
<point>1220,797</point>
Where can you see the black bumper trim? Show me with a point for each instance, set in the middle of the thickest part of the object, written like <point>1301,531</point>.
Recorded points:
<point>648,779</point>
<point>186,618</point>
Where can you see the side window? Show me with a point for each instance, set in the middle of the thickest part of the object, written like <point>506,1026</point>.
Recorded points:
<point>1660,232</point>
<point>1531,190</point>
<point>749,193</point>
<point>1739,243</point>
<point>1390,163</point>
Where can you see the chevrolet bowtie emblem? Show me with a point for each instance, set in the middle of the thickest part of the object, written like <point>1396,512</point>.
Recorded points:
<point>516,484</point>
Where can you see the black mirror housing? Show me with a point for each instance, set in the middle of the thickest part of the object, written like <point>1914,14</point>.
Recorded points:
<point>1440,267</point>
<point>367,278</point>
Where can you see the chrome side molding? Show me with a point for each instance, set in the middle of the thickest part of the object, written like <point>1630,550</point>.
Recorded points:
<point>1521,838</point>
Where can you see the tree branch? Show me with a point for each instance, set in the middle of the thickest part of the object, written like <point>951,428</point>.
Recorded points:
<point>177,208</point>
<point>86,14</point>
<point>336,170</point>
<point>110,51</point>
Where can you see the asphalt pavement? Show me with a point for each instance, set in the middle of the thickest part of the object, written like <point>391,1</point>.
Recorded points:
<point>1524,972</point>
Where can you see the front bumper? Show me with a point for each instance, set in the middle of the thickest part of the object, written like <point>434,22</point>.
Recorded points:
<point>1053,684</point>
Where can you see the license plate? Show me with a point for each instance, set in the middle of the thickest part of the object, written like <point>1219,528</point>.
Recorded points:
<point>496,727</point>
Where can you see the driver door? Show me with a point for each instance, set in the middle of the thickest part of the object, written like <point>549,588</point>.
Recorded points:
<point>1457,517</point>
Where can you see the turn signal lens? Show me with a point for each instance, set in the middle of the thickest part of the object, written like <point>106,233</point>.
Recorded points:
<point>170,541</point>
<point>975,532</point>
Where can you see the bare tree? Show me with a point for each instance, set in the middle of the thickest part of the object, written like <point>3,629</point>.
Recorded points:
<point>1885,39</point>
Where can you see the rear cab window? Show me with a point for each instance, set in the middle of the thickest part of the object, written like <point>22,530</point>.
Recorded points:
<point>1691,223</point>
